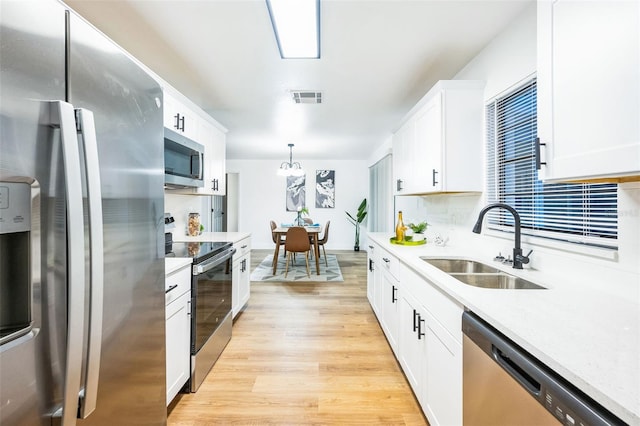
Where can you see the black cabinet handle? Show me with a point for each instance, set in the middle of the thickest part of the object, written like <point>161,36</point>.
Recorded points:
<point>177,117</point>
<point>386,260</point>
<point>394,299</point>
<point>182,121</point>
<point>415,323</point>
<point>215,185</point>
<point>371,265</point>
<point>420,332</point>
<point>539,162</point>
<point>173,287</point>
<point>433,177</point>
<point>399,185</point>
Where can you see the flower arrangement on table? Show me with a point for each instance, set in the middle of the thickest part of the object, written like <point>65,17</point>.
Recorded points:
<point>301,211</point>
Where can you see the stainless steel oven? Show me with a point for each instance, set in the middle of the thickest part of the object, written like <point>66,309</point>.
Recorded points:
<point>211,317</point>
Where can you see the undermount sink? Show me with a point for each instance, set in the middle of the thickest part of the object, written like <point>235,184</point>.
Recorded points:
<point>478,274</point>
<point>460,266</point>
<point>498,281</point>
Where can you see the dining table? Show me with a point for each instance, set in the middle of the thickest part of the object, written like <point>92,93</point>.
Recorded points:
<point>313,231</point>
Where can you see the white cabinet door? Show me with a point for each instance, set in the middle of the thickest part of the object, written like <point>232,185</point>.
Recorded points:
<point>412,343</point>
<point>178,117</point>
<point>241,284</point>
<point>443,385</point>
<point>241,278</point>
<point>588,89</point>
<point>178,330</point>
<point>371,264</point>
<point>429,138</point>
<point>439,147</point>
<point>433,363</point>
<point>390,311</point>
<point>214,159</point>
<point>217,162</point>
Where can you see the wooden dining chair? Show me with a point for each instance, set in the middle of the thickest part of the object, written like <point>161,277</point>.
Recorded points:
<point>322,241</point>
<point>297,241</point>
<point>279,241</point>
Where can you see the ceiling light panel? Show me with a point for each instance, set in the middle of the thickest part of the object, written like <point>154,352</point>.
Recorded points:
<point>296,24</point>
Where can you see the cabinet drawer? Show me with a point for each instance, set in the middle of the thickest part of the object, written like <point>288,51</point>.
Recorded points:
<point>444,309</point>
<point>389,263</point>
<point>177,283</point>
<point>242,247</point>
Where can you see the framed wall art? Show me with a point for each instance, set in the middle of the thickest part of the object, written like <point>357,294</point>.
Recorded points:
<point>325,189</point>
<point>296,194</point>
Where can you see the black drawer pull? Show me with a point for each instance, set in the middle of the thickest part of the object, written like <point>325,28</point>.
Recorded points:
<point>172,287</point>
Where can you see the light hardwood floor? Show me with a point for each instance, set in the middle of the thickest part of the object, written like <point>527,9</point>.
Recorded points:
<point>304,353</point>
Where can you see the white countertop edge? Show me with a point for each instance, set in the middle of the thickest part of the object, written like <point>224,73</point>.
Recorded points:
<point>173,264</point>
<point>615,389</point>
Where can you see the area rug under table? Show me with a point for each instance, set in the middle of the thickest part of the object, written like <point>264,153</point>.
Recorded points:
<point>298,272</point>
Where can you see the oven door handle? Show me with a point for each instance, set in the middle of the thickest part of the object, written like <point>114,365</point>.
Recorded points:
<point>215,261</point>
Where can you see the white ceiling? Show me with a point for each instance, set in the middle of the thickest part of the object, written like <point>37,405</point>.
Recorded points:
<point>378,58</point>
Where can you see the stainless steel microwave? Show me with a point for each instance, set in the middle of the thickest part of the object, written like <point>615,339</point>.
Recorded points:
<point>183,161</point>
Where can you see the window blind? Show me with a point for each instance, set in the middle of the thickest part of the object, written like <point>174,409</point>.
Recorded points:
<point>579,213</point>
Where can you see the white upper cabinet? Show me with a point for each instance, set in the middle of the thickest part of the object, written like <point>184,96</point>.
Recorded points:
<point>438,148</point>
<point>589,89</point>
<point>214,141</point>
<point>179,118</point>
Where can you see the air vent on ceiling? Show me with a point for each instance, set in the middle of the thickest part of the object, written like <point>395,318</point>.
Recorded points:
<point>307,97</point>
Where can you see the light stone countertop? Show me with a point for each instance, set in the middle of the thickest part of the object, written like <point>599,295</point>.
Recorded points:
<point>588,334</point>
<point>173,264</point>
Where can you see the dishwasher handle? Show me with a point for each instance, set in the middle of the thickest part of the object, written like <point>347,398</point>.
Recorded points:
<point>516,370</point>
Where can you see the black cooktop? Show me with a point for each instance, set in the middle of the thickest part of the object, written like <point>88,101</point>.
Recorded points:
<point>198,251</point>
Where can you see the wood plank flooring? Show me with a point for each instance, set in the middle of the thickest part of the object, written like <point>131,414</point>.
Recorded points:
<point>304,353</point>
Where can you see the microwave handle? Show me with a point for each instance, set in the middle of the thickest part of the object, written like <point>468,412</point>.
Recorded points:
<point>201,166</point>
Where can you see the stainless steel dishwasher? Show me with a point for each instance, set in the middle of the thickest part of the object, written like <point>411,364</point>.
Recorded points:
<point>505,385</point>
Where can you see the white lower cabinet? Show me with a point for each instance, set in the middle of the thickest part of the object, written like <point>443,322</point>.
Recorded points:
<point>374,279</point>
<point>413,348</point>
<point>389,297</point>
<point>423,327</point>
<point>390,312</point>
<point>241,278</point>
<point>178,329</point>
<point>442,399</point>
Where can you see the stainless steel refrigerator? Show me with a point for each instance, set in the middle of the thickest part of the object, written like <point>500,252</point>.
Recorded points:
<point>82,317</point>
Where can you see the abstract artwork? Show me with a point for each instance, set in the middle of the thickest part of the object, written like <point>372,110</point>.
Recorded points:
<point>325,189</point>
<point>296,194</point>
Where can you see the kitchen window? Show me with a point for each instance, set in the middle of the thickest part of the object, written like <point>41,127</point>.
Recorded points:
<point>578,213</point>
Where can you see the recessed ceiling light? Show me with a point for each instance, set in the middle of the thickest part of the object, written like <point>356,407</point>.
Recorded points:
<point>296,24</point>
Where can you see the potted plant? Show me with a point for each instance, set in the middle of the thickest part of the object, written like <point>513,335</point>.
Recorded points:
<point>418,229</point>
<point>357,220</point>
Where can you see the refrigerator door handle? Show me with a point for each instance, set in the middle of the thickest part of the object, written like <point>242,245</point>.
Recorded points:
<point>87,129</point>
<point>62,115</point>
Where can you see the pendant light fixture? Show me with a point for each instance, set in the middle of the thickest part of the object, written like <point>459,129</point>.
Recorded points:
<point>290,168</point>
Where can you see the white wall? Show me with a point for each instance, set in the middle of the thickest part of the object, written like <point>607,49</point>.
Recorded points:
<point>181,205</point>
<point>509,59</point>
<point>262,198</point>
